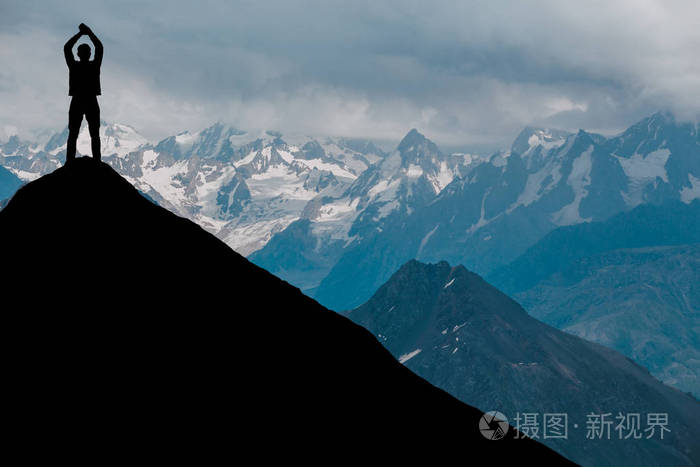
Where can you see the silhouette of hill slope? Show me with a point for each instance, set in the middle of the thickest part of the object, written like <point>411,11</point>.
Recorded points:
<point>129,328</point>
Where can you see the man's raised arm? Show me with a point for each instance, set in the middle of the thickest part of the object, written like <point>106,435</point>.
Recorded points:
<point>99,50</point>
<point>68,49</point>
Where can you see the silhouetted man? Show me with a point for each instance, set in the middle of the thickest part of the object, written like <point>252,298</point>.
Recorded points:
<point>84,86</point>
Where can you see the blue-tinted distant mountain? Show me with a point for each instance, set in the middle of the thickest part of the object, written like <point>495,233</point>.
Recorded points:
<point>643,302</point>
<point>296,256</point>
<point>383,195</point>
<point>631,283</point>
<point>463,335</point>
<point>492,214</point>
<point>9,183</point>
<point>672,223</point>
<point>661,159</point>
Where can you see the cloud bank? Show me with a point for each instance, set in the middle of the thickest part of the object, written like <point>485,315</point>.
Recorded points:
<point>468,73</point>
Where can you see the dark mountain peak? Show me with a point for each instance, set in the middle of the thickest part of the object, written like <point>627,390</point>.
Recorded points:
<point>414,270</point>
<point>651,126</point>
<point>142,322</point>
<point>415,282</point>
<point>583,137</point>
<point>417,149</point>
<point>660,131</point>
<point>414,140</point>
<point>413,137</point>
<point>413,265</point>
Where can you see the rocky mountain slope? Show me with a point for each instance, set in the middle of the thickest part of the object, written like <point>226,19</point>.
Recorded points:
<point>463,335</point>
<point>136,332</point>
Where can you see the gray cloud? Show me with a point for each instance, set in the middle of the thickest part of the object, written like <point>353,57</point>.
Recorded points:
<point>465,73</point>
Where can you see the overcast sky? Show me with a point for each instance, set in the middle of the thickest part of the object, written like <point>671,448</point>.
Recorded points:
<point>465,73</point>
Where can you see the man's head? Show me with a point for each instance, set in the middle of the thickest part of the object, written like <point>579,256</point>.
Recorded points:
<point>84,52</point>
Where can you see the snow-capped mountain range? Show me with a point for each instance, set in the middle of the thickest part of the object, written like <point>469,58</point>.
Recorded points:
<point>323,213</point>
<point>242,186</point>
<point>496,210</point>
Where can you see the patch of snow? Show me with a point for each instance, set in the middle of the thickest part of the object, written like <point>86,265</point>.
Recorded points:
<point>534,187</point>
<point>208,191</point>
<point>162,180</point>
<point>388,208</point>
<point>407,356</point>
<point>443,177</point>
<point>321,165</point>
<point>414,171</point>
<point>336,210</point>
<point>286,155</point>
<point>247,159</point>
<point>644,168</point>
<point>115,139</point>
<point>425,239</point>
<point>578,180</point>
<point>149,159</point>
<point>482,218</point>
<point>500,159</point>
<point>24,175</point>
<point>688,194</point>
<point>545,139</point>
<point>448,284</point>
<point>249,237</point>
<point>183,138</point>
<point>379,187</point>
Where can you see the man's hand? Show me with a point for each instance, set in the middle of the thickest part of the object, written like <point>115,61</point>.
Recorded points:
<point>84,29</point>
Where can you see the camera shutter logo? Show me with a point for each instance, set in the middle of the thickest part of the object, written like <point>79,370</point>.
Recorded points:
<point>493,425</point>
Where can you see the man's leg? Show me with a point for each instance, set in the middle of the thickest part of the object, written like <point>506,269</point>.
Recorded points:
<point>92,115</point>
<point>75,117</point>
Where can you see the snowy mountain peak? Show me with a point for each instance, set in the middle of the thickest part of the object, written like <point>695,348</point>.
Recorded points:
<point>531,138</point>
